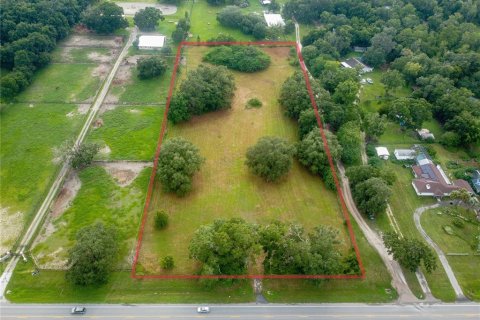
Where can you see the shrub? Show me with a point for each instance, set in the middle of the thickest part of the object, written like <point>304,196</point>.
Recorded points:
<point>270,158</point>
<point>151,67</point>
<point>254,103</point>
<point>168,263</point>
<point>161,220</point>
<point>82,156</point>
<point>450,139</point>
<point>241,58</point>
<point>458,223</point>
<point>250,24</point>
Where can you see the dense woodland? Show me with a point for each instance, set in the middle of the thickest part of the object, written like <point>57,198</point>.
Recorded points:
<point>433,44</point>
<point>30,29</point>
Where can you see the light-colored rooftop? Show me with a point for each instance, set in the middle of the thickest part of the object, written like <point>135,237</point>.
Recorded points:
<point>151,41</point>
<point>274,19</point>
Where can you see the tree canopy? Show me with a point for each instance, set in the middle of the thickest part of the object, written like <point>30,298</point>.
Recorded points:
<point>311,153</point>
<point>93,255</point>
<point>147,19</point>
<point>409,112</point>
<point>178,162</point>
<point>225,246</point>
<point>249,24</point>
<point>206,89</point>
<point>241,58</point>
<point>270,158</point>
<point>371,196</point>
<point>151,67</point>
<point>410,253</point>
<point>350,139</point>
<point>105,17</point>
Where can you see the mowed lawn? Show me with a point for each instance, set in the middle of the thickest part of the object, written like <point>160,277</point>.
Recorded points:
<point>224,187</point>
<point>462,242</point>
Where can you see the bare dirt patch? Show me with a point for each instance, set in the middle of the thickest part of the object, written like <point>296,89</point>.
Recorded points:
<point>124,172</point>
<point>105,150</point>
<point>102,58</point>
<point>11,225</point>
<point>123,75</point>
<point>67,194</point>
<point>130,8</point>
<point>91,41</point>
<point>101,71</point>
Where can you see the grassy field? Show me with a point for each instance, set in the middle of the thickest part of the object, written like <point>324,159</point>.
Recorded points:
<point>51,287</point>
<point>62,83</point>
<point>131,133</point>
<point>99,199</point>
<point>375,288</point>
<point>224,187</point>
<point>463,241</point>
<point>81,55</point>
<point>29,137</point>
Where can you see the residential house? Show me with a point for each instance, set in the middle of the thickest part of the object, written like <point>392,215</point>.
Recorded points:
<point>431,180</point>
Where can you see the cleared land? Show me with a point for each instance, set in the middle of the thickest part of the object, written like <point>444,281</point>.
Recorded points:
<point>224,187</point>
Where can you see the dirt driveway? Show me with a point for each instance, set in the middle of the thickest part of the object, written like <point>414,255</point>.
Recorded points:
<point>130,8</point>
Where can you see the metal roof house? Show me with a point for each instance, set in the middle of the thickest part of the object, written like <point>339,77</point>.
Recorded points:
<point>151,42</point>
<point>274,19</point>
<point>476,181</point>
<point>354,63</point>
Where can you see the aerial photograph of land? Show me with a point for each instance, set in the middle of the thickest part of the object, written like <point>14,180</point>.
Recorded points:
<point>248,159</point>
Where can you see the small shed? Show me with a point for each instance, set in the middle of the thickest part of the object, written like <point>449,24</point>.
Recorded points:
<point>405,154</point>
<point>425,134</point>
<point>151,42</point>
<point>382,153</point>
<point>274,20</point>
<point>265,2</point>
<point>476,181</point>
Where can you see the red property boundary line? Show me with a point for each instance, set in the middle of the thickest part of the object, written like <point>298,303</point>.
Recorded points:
<point>327,149</point>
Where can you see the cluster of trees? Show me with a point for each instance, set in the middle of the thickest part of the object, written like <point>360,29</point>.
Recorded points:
<point>241,58</point>
<point>151,67</point>
<point>431,45</point>
<point>336,109</point>
<point>270,158</point>
<point>177,163</point>
<point>370,188</point>
<point>181,30</point>
<point>29,32</point>
<point>410,253</point>
<point>105,18</point>
<point>250,24</point>
<point>228,247</point>
<point>147,19</point>
<point>206,89</point>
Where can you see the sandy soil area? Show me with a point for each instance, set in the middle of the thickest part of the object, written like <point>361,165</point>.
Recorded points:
<point>130,8</point>
<point>90,41</point>
<point>11,224</point>
<point>124,172</point>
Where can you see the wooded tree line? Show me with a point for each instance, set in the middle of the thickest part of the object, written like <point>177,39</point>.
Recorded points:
<point>433,44</point>
<point>29,31</point>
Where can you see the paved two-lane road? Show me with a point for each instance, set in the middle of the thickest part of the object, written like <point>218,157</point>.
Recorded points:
<point>248,311</point>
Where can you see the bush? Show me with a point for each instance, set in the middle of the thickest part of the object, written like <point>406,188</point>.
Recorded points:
<point>168,263</point>
<point>249,24</point>
<point>82,156</point>
<point>254,103</point>
<point>270,158</point>
<point>458,223</point>
<point>206,89</point>
<point>241,58</point>
<point>151,67</point>
<point>450,139</point>
<point>161,220</point>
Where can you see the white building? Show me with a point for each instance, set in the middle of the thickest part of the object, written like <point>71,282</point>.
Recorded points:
<point>265,2</point>
<point>274,20</point>
<point>405,154</point>
<point>151,42</point>
<point>354,63</point>
<point>382,153</point>
<point>425,134</point>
